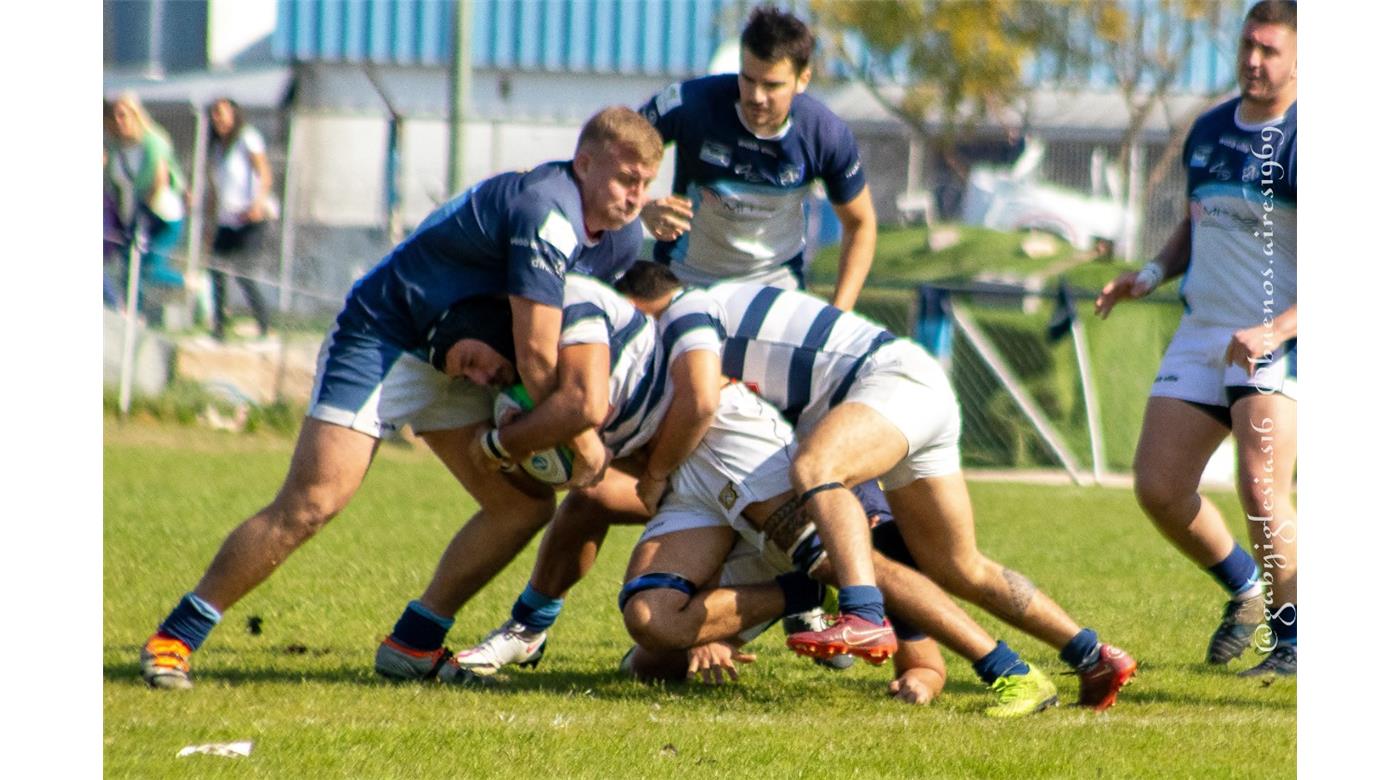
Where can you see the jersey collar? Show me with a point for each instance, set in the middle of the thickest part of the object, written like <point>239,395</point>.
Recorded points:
<point>778,136</point>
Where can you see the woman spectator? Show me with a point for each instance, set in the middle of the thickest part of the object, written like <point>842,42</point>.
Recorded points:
<point>243,202</point>
<point>142,168</point>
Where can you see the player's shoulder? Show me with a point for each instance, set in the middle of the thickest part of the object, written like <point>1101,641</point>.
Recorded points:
<point>1221,116</point>
<point>692,98</point>
<point>548,185</point>
<point>810,115</point>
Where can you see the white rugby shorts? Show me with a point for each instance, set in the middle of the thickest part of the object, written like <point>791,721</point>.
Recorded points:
<point>907,387</point>
<point>368,386</point>
<point>1194,369</point>
<point>744,458</point>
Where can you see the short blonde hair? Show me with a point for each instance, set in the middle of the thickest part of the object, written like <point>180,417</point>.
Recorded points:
<point>622,128</point>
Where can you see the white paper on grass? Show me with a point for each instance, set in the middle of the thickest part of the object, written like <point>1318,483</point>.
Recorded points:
<point>225,749</point>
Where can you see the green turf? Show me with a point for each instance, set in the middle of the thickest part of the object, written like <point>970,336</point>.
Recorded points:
<point>304,692</point>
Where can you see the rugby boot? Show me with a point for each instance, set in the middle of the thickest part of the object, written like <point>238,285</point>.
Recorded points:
<point>401,663</point>
<point>1019,695</point>
<point>849,634</point>
<point>813,620</point>
<point>1282,662</point>
<point>1236,627</point>
<point>165,663</point>
<point>1099,684</point>
<point>512,643</point>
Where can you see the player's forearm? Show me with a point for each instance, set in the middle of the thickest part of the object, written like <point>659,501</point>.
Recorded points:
<point>857,256</point>
<point>696,376</point>
<point>578,403</point>
<point>1176,253</point>
<point>1285,325</point>
<point>556,421</point>
<point>680,432</point>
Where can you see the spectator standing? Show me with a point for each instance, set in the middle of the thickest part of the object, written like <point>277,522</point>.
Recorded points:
<point>142,168</point>
<point>243,205</point>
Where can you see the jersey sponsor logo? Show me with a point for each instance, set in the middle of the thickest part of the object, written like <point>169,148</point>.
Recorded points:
<point>559,233</point>
<point>733,205</point>
<point>755,146</point>
<point>790,175</point>
<point>747,173</point>
<point>1200,156</point>
<point>854,169</point>
<point>716,153</point>
<point>1164,378</point>
<point>669,98</point>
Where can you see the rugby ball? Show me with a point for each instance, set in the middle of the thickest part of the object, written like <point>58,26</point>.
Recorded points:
<point>553,466</point>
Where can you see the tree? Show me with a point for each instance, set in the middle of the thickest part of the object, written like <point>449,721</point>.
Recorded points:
<point>963,61</point>
<point>1146,49</point>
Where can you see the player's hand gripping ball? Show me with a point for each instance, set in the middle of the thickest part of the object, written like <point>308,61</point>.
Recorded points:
<point>553,466</point>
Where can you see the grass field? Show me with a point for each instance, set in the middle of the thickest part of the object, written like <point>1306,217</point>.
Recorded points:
<point>303,689</point>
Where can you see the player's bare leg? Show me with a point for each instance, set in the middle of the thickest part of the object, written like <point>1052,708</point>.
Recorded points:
<point>1176,443</point>
<point>567,552</point>
<point>827,457</point>
<point>935,515</point>
<point>662,616</point>
<point>328,465</point>
<point>1266,432</point>
<point>512,511</point>
<point>571,542</point>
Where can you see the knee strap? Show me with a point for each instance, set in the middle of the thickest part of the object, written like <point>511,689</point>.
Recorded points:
<point>807,496</point>
<point>652,581</point>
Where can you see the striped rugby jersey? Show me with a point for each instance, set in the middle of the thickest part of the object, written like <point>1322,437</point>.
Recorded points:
<point>639,392</point>
<point>792,349</point>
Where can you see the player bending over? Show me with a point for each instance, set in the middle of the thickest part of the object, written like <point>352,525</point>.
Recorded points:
<point>510,238</point>
<point>867,405</point>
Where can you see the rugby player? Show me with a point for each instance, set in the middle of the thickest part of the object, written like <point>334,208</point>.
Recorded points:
<point>596,315</point>
<point>867,405</point>
<point>1231,368</point>
<point>732,519</point>
<point>699,431</point>
<point>511,238</point>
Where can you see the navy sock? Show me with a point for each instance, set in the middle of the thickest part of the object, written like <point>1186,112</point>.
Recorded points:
<point>1237,572</point>
<point>1000,662</point>
<point>863,601</point>
<point>1287,633</point>
<point>191,621</point>
<point>1082,651</point>
<point>800,592</point>
<point>420,628</point>
<point>535,610</point>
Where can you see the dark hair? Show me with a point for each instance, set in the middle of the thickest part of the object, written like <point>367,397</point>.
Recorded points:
<point>237,120</point>
<point>1284,12</point>
<point>773,35</point>
<point>646,280</point>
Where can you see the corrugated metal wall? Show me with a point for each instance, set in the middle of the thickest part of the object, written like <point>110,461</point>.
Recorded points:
<point>653,37</point>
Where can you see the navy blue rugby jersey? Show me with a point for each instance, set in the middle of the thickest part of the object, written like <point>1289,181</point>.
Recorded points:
<point>747,192</point>
<point>1243,200</point>
<point>513,234</point>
